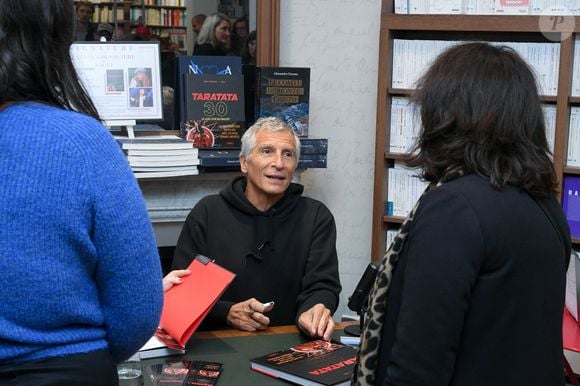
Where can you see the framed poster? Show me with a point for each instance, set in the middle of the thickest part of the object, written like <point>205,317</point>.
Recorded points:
<point>122,78</point>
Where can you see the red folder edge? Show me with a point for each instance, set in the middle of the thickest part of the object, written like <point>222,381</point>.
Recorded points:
<point>186,305</point>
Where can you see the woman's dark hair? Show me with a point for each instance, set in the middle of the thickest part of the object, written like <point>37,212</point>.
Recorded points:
<point>35,61</point>
<point>480,112</point>
<point>246,56</point>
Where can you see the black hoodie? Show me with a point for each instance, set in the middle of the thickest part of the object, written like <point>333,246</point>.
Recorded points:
<point>286,254</point>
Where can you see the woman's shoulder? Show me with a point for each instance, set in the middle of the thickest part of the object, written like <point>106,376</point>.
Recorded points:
<point>204,49</point>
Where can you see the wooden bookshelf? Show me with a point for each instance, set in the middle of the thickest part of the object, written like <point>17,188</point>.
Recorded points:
<point>457,28</point>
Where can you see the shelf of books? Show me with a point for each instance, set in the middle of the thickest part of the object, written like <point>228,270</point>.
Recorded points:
<point>414,34</point>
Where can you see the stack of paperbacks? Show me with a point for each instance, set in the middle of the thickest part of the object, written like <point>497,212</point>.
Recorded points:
<point>313,153</point>
<point>160,156</point>
<point>185,306</point>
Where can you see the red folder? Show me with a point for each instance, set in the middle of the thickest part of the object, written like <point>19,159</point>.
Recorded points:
<point>187,304</point>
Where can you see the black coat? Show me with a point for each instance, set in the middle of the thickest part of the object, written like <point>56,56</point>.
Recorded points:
<point>477,297</point>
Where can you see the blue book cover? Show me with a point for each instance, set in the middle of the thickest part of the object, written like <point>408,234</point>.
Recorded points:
<point>199,65</point>
<point>571,203</point>
<point>284,92</point>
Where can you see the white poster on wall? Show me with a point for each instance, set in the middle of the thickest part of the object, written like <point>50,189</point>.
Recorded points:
<point>122,78</point>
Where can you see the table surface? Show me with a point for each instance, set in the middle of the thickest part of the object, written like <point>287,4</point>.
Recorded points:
<point>235,348</point>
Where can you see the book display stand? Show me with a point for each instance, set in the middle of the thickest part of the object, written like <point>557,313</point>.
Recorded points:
<point>129,125</point>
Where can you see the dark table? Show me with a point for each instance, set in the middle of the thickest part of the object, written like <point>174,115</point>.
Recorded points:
<point>235,348</point>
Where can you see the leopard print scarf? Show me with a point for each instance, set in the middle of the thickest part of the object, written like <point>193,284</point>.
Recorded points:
<point>365,370</point>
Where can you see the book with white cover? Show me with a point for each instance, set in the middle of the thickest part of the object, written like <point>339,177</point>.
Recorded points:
<point>512,7</point>
<point>154,142</point>
<point>162,161</point>
<point>189,152</point>
<point>155,348</point>
<point>166,173</point>
<point>448,7</point>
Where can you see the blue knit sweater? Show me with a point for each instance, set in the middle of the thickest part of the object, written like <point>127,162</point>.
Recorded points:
<point>78,262</point>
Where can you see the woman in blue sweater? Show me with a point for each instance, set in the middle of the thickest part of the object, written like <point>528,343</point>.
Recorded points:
<point>78,261</point>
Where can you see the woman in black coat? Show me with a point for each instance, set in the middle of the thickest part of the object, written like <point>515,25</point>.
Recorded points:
<point>472,290</point>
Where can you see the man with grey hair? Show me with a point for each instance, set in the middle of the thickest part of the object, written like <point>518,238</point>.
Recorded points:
<point>280,245</point>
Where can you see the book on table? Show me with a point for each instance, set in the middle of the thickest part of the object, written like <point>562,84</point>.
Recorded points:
<point>186,305</point>
<point>184,372</point>
<point>314,363</point>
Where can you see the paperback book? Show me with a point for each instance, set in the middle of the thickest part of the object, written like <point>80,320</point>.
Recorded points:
<point>313,146</point>
<point>187,304</point>
<point>312,161</point>
<point>200,65</point>
<point>284,92</point>
<point>314,363</point>
<point>571,203</point>
<point>184,372</point>
<point>215,115</point>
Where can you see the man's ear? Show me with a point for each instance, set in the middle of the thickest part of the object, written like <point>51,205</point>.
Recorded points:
<point>243,166</point>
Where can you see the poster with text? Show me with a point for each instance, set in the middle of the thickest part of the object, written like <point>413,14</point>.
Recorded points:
<point>122,78</point>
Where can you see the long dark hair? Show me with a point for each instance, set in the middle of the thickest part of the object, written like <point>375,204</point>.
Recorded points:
<point>480,112</point>
<point>35,62</point>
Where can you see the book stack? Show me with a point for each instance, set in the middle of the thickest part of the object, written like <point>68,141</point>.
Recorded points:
<point>313,153</point>
<point>160,156</point>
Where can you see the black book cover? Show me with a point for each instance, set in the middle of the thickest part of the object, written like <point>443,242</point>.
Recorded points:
<point>313,363</point>
<point>249,72</point>
<point>199,65</point>
<point>284,92</point>
<point>219,158</point>
<point>202,373</point>
<point>313,146</point>
<point>312,161</point>
<point>214,110</point>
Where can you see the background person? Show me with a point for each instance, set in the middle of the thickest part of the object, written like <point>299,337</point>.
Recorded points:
<point>140,78</point>
<point>74,223</point>
<point>214,36</point>
<point>105,30</point>
<point>249,52</point>
<point>472,291</point>
<point>280,244</point>
<point>196,23</point>
<point>240,32</point>
<point>85,29</point>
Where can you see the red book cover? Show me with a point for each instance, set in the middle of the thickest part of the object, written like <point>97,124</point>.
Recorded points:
<point>187,304</point>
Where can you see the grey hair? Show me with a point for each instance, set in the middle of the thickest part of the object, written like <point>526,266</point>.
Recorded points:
<point>207,31</point>
<point>273,124</point>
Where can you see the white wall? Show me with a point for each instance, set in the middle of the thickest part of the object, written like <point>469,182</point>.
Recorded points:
<point>339,41</point>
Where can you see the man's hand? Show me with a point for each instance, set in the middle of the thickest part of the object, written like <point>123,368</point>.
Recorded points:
<point>249,315</point>
<point>317,322</point>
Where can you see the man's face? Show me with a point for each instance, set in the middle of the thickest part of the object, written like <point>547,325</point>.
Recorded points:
<point>84,14</point>
<point>270,166</point>
<point>242,29</point>
<point>196,25</point>
<point>222,32</point>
